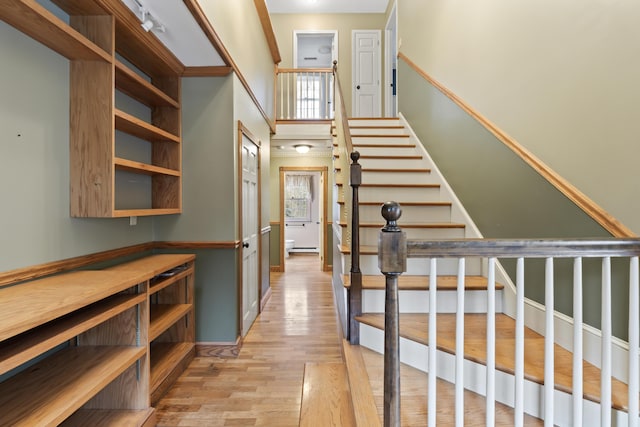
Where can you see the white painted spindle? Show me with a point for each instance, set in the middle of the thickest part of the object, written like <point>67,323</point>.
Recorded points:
<point>634,342</point>
<point>431,389</point>
<point>519,362</point>
<point>577,342</point>
<point>289,95</point>
<point>549,366</point>
<point>460,345</point>
<point>605,370</point>
<point>491,343</point>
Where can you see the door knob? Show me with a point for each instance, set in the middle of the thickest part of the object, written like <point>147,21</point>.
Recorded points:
<point>358,87</point>
<point>245,245</point>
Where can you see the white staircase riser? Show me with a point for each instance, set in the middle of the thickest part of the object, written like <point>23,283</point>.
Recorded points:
<point>375,194</point>
<point>410,214</point>
<point>397,163</point>
<point>416,267</point>
<point>397,178</point>
<point>416,355</point>
<point>377,131</point>
<point>399,146</point>
<point>369,236</point>
<point>375,122</point>
<point>418,301</point>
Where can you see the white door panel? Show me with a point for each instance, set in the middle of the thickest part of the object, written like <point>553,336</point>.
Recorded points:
<point>250,233</point>
<point>366,73</point>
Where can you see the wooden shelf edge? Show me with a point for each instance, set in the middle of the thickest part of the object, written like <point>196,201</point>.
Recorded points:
<point>38,23</point>
<point>109,417</point>
<point>143,168</point>
<point>53,389</point>
<point>121,213</point>
<point>130,83</point>
<point>169,280</point>
<point>134,126</point>
<point>163,316</point>
<point>164,358</point>
<point>32,344</point>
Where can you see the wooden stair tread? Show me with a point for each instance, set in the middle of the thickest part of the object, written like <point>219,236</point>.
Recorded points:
<point>415,327</point>
<point>414,398</point>
<point>399,185</point>
<point>421,283</point>
<point>425,225</point>
<point>380,136</point>
<point>362,400</point>
<point>326,399</point>
<point>385,157</point>
<point>377,127</point>
<point>380,203</point>
<point>387,170</point>
<point>364,250</point>
<point>357,145</point>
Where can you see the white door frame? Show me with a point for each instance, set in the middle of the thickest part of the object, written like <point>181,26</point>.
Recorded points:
<point>391,51</point>
<point>296,33</point>
<point>378,66</point>
<point>242,133</point>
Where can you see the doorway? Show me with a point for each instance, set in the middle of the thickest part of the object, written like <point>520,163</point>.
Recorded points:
<point>303,213</point>
<point>315,48</point>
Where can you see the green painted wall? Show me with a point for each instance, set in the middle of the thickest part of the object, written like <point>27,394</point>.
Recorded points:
<point>504,196</point>
<point>34,163</point>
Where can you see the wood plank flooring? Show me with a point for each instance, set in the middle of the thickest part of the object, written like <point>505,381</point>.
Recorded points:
<point>263,385</point>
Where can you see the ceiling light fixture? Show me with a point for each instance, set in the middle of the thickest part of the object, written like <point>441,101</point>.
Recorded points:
<point>302,148</point>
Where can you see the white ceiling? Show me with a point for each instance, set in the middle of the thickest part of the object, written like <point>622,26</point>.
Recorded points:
<point>327,6</point>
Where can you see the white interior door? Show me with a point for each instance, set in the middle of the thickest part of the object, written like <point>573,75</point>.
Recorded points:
<point>366,73</point>
<point>250,233</point>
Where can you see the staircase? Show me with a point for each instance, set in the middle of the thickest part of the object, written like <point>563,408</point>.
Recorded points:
<point>396,167</point>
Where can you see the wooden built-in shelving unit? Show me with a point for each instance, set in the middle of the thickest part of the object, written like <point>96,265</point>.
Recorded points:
<point>99,33</point>
<point>91,323</point>
<point>171,334</point>
<point>93,347</point>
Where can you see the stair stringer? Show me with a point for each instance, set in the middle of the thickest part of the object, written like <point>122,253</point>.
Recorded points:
<point>416,355</point>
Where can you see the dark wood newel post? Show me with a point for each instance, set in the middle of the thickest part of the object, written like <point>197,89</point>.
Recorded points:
<point>392,260</point>
<point>355,289</point>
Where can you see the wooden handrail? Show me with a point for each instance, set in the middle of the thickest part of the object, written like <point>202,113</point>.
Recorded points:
<point>303,70</point>
<point>343,110</point>
<point>608,222</point>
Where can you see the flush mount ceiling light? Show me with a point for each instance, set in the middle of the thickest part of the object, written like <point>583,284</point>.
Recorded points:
<point>302,148</point>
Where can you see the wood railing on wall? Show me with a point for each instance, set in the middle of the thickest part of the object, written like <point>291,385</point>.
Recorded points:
<point>592,209</point>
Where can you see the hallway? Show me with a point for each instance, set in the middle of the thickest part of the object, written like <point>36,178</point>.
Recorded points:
<point>263,385</point>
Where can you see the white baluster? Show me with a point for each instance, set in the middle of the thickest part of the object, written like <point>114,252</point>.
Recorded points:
<point>634,342</point>
<point>549,385</point>
<point>433,335</point>
<point>491,343</point>
<point>460,345</point>
<point>289,95</point>
<point>519,362</point>
<point>605,370</point>
<point>577,342</point>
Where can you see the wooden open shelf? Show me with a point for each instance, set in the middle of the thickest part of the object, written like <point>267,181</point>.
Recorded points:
<point>132,84</point>
<point>29,345</point>
<point>164,357</point>
<point>53,297</point>
<point>163,316</point>
<point>50,391</point>
<point>143,168</point>
<point>136,127</point>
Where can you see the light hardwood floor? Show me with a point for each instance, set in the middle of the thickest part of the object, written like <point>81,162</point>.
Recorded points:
<point>263,385</point>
